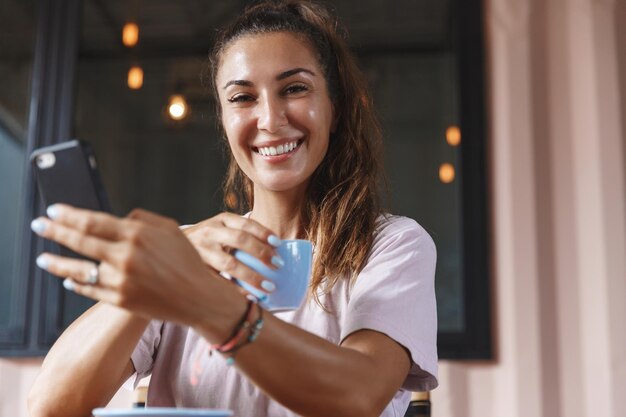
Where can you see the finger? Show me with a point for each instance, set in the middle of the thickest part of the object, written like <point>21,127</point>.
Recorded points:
<point>262,233</point>
<point>76,269</point>
<point>238,239</point>
<point>79,242</point>
<point>103,225</point>
<point>150,217</point>
<point>92,291</point>
<point>225,262</point>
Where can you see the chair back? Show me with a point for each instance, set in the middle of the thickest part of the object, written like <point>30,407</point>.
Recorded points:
<point>419,405</point>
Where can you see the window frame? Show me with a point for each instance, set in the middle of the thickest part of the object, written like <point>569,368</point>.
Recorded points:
<point>475,341</point>
<point>49,122</point>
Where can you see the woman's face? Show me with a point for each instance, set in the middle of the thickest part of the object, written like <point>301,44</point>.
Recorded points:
<point>276,109</point>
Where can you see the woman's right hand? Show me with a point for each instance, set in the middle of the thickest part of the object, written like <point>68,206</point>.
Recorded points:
<point>217,237</point>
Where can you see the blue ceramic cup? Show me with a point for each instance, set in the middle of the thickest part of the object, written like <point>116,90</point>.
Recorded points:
<point>292,279</point>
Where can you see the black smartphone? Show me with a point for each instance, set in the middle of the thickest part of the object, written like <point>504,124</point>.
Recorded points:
<point>68,173</point>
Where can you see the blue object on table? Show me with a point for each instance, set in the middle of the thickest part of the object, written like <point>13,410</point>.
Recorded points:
<point>160,412</point>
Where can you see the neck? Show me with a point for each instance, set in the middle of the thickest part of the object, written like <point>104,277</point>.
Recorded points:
<point>281,212</point>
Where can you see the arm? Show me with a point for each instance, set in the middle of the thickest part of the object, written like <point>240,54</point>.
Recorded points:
<point>314,377</point>
<point>304,372</point>
<point>87,364</point>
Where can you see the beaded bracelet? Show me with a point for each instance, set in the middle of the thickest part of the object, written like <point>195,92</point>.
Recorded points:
<point>238,333</point>
<point>254,330</point>
<point>231,344</point>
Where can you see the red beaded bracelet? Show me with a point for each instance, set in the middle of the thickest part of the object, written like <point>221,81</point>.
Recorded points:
<point>234,342</point>
<point>238,333</point>
<point>254,331</point>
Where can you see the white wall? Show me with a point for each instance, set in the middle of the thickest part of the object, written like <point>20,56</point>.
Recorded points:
<point>558,184</point>
<point>16,378</point>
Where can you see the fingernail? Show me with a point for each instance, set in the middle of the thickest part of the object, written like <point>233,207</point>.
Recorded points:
<point>42,262</point>
<point>268,286</point>
<point>52,211</point>
<point>68,284</point>
<point>38,226</point>
<point>274,241</point>
<point>278,261</point>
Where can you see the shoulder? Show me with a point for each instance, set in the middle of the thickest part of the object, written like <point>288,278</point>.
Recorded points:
<point>399,231</point>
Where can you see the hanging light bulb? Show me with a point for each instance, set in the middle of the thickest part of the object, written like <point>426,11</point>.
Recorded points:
<point>177,107</point>
<point>446,173</point>
<point>135,77</point>
<point>453,135</point>
<point>130,34</point>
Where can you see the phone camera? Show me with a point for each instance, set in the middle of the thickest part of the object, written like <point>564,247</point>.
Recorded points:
<point>45,160</point>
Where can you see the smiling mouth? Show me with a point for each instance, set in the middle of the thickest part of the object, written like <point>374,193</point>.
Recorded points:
<point>282,149</point>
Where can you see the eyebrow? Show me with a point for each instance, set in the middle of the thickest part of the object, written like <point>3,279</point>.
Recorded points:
<point>281,76</point>
<point>291,72</point>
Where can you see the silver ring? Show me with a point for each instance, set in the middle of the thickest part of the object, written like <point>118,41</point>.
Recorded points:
<point>93,277</point>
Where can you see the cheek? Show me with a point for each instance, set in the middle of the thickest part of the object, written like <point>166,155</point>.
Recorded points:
<point>233,124</point>
<point>319,114</point>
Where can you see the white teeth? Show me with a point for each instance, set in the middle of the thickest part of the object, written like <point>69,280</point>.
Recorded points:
<point>278,150</point>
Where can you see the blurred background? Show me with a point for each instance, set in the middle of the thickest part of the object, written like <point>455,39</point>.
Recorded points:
<point>504,137</point>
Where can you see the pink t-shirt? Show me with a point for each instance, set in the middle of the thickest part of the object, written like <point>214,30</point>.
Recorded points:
<point>394,294</point>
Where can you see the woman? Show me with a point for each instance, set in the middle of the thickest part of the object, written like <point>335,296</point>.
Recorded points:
<point>302,138</point>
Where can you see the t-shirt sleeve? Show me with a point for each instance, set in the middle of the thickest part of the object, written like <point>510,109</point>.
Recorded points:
<point>145,352</point>
<point>395,294</point>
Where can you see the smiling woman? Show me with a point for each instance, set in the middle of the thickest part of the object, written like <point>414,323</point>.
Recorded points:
<point>303,144</point>
<point>278,107</point>
<point>276,111</point>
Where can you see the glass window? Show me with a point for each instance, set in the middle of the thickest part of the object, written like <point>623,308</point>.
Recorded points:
<point>417,99</point>
<point>171,162</point>
<point>175,168</point>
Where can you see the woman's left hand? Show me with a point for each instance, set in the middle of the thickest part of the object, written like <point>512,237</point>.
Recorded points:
<point>147,265</point>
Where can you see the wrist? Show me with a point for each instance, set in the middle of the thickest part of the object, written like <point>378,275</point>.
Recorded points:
<point>246,332</point>
<point>219,326</point>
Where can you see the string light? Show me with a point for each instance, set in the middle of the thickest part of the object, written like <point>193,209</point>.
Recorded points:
<point>177,107</point>
<point>135,78</point>
<point>446,173</point>
<point>453,135</point>
<point>130,34</point>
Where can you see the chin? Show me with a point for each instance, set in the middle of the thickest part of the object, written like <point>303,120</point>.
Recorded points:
<point>280,184</point>
<point>278,187</point>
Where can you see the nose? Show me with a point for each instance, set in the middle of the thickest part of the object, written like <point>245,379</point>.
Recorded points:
<point>271,114</point>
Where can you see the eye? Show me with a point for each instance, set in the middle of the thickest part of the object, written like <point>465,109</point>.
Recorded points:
<point>295,89</point>
<point>240,98</point>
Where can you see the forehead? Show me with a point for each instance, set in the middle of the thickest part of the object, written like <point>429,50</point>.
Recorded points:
<point>265,54</point>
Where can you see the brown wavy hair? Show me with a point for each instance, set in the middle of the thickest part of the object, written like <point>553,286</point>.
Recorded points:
<point>342,200</point>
